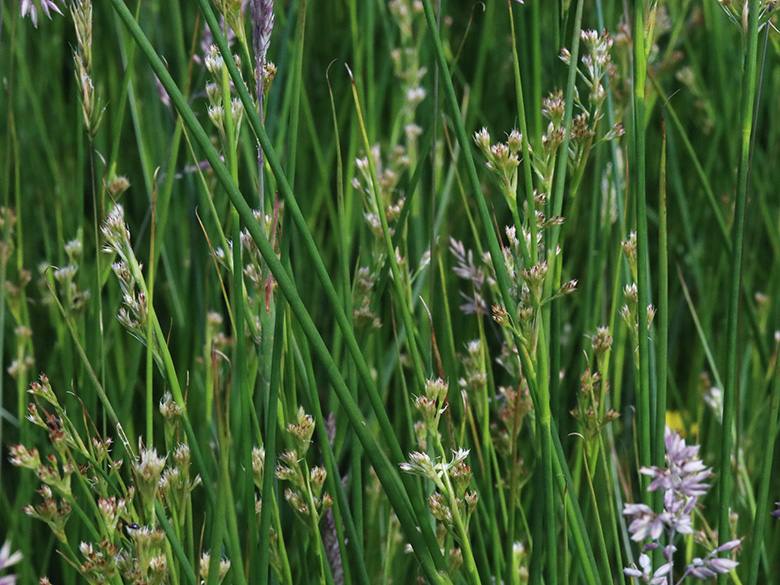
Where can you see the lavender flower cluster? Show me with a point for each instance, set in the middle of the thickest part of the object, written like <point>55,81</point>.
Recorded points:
<point>683,483</point>
<point>27,7</point>
<point>6,560</point>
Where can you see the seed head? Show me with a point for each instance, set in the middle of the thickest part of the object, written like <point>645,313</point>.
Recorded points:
<point>258,465</point>
<point>302,431</point>
<point>602,341</point>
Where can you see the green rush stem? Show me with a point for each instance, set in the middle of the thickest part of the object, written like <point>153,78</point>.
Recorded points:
<point>272,345</point>
<point>178,551</point>
<point>387,430</point>
<point>3,292</point>
<point>640,75</point>
<point>593,454</point>
<point>218,526</point>
<point>762,511</point>
<point>271,411</point>
<point>241,389</point>
<point>558,460</point>
<point>403,493</point>
<point>545,420</point>
<point>98,263</point>
<point>149,329</point>
<point>662,332</point>
<point>737,242</point>
<point>747,300</point>
<point>546,332</point>
<point>356,490</point>
<point>401,295</point>
<point>526,148</point>
<point>292,207</point>
<point>614,511</point>
<point>536,43</point>
<point>562,158</point>
<point>460,527</point>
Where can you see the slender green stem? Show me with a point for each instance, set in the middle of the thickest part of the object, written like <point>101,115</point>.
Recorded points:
<point>149,331</point>
<point>578,527</point>
<point>765,475</point>
<point>737,242</point>
<point>423,544</point>
<point>402,298</point>
<point>662,335</point>
<point>644,416</point>
<point>526,148</point>
<point>182,557</point>
<point>460,525</point>
<point>292,207</point>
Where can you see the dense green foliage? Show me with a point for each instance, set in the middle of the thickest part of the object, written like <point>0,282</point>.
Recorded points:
<point>431,366</point>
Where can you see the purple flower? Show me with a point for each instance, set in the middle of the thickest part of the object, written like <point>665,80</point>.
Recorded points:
<point>6,560</point>
<point>262,17</point>
<point>646,573</point>
<point>776,513</point>
<point>28,7</point>
<point>644,522</point>
<point>683,482</point>
<point>709,567</point>
<point>684,472</point>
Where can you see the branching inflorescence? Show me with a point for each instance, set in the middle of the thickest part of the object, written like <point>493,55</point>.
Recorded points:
<point>683,483</point>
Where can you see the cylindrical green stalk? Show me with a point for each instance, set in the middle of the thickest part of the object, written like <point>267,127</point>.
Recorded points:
<point>460,526</point>
<point>661,343</point>
<point>762,511</point>
<point>525,151</point>
<point>643,392</point>
<point>578,527</point>
<point>149,332</point>
<point>408,510</point>
<point>402,298</point>
<point>737,241</point>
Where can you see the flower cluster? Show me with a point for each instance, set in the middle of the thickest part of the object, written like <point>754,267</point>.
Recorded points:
<point>91,110</point>
<point>683,483</point>
<point>380,169</point>
<point>630,311</point>
<point>306,497</point>
<point>28,7</point>
<point>73,298</point>
<point>6,560</point>
<point>591,409</point>
<point>128,270</point>
<point>451,503</point>
<point>737,11</point>
<point>502,159</point>
<point>126,540</point>
<point>597,72</point>
<point>451,479</point>
<point>225,112</point>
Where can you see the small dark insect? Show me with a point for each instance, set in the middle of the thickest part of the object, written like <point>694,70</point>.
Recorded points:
<point>132,526</point>
<point>54,423</point>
